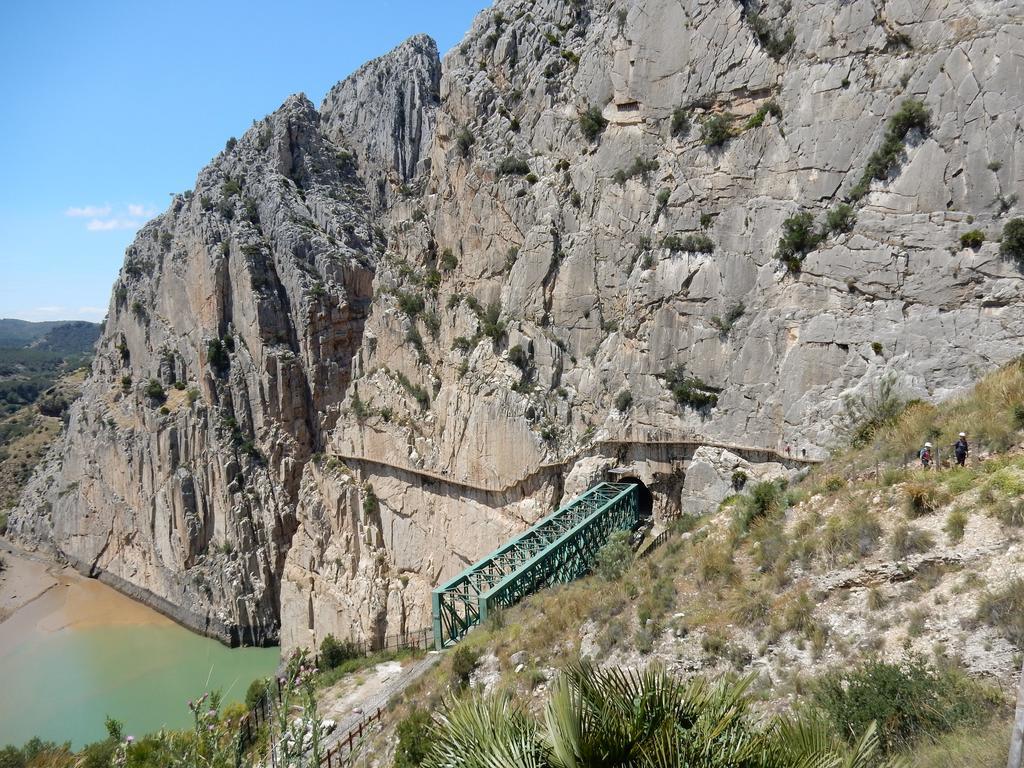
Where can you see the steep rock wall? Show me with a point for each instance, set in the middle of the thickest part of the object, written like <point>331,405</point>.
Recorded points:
<point>542,297</point>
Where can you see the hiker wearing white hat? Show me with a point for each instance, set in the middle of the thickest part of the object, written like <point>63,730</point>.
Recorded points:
<point>926,456</point>
<point>961,449</point>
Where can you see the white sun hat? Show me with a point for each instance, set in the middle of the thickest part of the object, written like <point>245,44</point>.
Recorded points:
<point>927,445</point>
<point>963,434</point>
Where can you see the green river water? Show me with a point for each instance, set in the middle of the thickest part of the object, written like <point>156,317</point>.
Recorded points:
<point>81,651</point>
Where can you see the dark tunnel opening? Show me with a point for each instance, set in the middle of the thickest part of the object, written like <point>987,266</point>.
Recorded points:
<point>645,499</point>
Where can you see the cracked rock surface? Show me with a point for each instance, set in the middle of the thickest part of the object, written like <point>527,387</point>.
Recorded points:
<point>440,287</point>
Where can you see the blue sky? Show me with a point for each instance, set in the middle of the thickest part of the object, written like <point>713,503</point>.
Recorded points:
<point>108,107</point>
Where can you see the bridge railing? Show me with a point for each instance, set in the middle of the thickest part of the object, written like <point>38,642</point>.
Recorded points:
<point>572,555</point>
<point>457,604</point>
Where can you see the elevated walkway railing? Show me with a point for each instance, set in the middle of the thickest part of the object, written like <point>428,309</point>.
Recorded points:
<point>558,549</point>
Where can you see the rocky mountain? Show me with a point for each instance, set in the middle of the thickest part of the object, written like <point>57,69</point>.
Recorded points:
<point>379,337</point>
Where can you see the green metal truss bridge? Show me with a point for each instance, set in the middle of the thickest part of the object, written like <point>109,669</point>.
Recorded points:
<point>556,550</point>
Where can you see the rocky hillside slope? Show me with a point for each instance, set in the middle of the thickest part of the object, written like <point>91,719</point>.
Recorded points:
<point>405,325</point>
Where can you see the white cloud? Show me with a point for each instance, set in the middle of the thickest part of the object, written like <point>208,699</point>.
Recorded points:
<point>49,310</point>
<point>90,211</point>
<point>94,311</point>
<point>141,211</point>
<point>107,218</point>
<point>106,225</point>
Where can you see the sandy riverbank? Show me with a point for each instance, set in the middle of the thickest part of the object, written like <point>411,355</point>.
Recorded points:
<point>52,597</point>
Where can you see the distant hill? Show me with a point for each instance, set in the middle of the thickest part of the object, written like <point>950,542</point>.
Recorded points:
<point>34,355</point>
<point>68,336</point>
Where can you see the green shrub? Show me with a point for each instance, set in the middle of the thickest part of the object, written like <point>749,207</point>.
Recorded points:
<point>464,660</point>
<point>765,498</point>
<point>448,260</point>
<point>774,45</point>
<point>415,738</point>
<point>768,108</point>
<point>154,391</point>
<point>491,324</point>
<point>692,243</point>
<point>624,401</point>
<point>371,504</point>
<point>840,218</point>
<point>716,130</point>
<point>217,356</point>
<point>410,303</point>
<point>854,534</point>
<point>230,144</point>
<point>909,540</point>
<point>955,525</point>
<point>126,383</point>
<point>257,688</point>
<point>911,114</point>
<point>908,702</point>
<point>1012,245</point>
<point>923,498</point>
<point>972,239</point>
<point>230,188</point>
<point>640,167</point>
<point>513,166</point>
<point>798,239</point>
<point>689,391</point>
<point>519,358</point>
<point>464,140</point>
<point>866,414</point>
<point>592,123</point>
<point>615,557</point>
<point>725,322</point>
<point>680,122</point>
<point>1004,610</point>
<point>333,653</point>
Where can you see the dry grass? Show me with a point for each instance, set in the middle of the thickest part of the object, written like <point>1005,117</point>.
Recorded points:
<point>987,747</point>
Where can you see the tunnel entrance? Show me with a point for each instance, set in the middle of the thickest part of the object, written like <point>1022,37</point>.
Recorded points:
<point>645,499</point>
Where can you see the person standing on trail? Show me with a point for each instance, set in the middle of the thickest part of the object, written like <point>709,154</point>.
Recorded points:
<point>961,449</point>
<point>926,456</point>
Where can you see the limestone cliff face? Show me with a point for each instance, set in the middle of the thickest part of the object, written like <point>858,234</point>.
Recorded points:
<point>225,353</point>
<point>463,284</point>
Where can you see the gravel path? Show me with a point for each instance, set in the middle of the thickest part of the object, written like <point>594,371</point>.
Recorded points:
<point>352,705</point>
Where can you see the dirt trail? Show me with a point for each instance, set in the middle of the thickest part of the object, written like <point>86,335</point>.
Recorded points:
<point>352,700</point>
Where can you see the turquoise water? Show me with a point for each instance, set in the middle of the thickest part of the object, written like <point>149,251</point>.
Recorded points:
<point>60,678</point>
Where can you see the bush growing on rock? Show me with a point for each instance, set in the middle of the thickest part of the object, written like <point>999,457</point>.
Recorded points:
<point>911,115</point>
<point>640,167</point>
<point>155,391</point>
<point>624,401</point>
<point>465,141</point>
<point>415,738</point>
<point>909,540</point>
<point>680,125</point>
<point>972,239</point>
<point>689,391</point>
<point>692,243</point>
<point>909,701</point>
<point>464,660</point>
<point>725,322</point>
<point>840,218</point>
<point>513,166</point>
<point>768,108</point>
<point>1004,610</point>
<point>716,130</point>
<point>798,239</point>
<point>333,653</point>
<point>1012,245</point>
<point>615,557</point>
<point>592,123</point>
<point>774,45</point>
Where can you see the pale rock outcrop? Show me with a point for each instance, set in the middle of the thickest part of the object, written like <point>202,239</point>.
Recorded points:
<point>457,318</point>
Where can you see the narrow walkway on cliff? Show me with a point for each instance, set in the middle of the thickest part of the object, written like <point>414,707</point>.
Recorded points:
<point>683,448</point>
